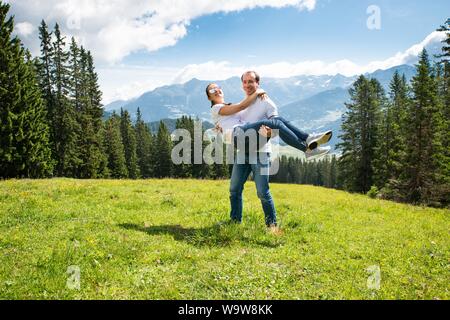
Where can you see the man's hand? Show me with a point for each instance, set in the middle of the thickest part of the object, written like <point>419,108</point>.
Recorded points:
<point>262,94</point>
<point>265,132</point>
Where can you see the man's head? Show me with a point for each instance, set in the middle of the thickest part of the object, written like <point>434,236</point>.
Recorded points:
<point>250,82</point>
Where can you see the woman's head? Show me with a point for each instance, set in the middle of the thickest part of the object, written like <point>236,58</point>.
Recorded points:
<point>214,94</point>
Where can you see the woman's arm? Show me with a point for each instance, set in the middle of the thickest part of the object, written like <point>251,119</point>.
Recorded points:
<point>229,110</point>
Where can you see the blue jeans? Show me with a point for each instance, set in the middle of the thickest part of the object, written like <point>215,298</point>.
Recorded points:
<point>288,132</point>
<point>261,176</point>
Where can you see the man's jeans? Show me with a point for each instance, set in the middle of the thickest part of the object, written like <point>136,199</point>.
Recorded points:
<point>241,172</point>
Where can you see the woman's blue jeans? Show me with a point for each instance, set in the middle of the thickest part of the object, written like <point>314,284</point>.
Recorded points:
<point>288,132</point>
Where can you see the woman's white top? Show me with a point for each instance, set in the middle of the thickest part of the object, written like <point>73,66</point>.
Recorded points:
<point>227,123</point>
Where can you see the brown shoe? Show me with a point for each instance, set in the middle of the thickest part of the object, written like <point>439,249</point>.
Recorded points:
<point>275,230</point>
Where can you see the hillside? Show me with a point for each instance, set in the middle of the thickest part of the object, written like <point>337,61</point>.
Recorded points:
<point>162,239</point>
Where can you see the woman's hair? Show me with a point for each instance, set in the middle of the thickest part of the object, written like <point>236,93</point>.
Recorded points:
<point>207,93</point>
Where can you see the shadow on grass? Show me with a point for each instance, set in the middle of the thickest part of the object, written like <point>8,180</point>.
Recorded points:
<point>216,235</point>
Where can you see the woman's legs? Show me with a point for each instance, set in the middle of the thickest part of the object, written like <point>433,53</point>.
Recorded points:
<point>299,133</point>
<point>286,134</point>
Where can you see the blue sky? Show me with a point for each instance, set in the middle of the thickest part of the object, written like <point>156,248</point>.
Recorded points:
<point>143,44</point>
<point>334,30</point>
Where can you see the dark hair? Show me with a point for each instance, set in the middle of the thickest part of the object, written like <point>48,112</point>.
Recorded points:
<point>257,77</point>
<point>207,93</point>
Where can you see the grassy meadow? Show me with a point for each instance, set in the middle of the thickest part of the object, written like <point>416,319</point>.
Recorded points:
<point>163,239</point>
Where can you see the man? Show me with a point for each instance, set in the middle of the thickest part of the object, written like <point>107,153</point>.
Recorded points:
<point>261,109</point>
<point>256,158</point>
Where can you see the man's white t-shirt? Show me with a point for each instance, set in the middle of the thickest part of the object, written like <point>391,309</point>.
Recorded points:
<point>260,110</point>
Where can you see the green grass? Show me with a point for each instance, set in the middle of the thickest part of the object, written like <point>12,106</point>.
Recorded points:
<point>161,239</point>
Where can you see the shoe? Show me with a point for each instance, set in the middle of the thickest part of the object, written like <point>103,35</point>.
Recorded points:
<point>274,229</point>
<point>317,153</point>
<point>316,139</point>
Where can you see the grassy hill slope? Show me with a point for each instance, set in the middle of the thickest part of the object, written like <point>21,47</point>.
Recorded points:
<point>161,239</point>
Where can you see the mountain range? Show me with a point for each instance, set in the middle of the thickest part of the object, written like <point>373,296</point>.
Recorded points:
<point>313,103</point>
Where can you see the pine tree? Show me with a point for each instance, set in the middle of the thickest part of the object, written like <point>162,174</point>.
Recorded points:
<point>75,108</point>
<point>114,148</point>
<point>199,171</point>
<point>220,170</point>
<point>144,150</point>
<point>163,159</point>
<point>445,56</point>
<point>64,122</point>
<point>360,135</point>
<point>333,183</point>
<point>390,147</point>
<point>418,169</point>
<point>44,72</point>
<point>74,76</point>
<point>24,133</point>
<point>184,170</point>
<point>89,116</point>
<point>442,122</point>
<point>129,143</point>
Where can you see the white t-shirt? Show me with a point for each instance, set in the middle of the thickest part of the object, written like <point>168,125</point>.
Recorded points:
<point>259,110</point>
<point>227,123</point>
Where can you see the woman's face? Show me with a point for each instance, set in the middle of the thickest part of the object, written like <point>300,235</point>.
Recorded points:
<point>215,93</point>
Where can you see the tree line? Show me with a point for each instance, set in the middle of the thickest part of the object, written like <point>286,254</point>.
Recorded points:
<point>323,172</point>
<point>52,125</point>
<point>396,145</point>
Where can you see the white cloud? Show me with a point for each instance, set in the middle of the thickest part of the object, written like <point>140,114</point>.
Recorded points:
<point>125,83</point>
<point>112,29</point>
<point>210,70</point>
<point>432,43</point>
<point>24,29</point>
<point>222,70</point>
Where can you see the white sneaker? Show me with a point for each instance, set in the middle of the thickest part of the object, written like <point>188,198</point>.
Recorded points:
<point>317,153</point>
<point>316,139</point>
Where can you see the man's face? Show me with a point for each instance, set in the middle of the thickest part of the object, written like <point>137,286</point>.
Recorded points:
<point>249,83</point>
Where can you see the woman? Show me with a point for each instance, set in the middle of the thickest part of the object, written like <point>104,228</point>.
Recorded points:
<point>226,116</point>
